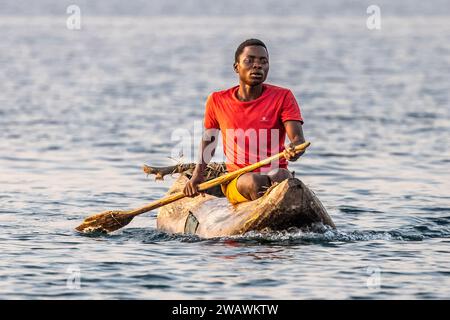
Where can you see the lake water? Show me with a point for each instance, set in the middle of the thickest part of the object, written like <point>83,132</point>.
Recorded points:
<point>82,110</point>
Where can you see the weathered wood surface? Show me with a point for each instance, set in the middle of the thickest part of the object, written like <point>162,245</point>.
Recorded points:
<point>289,204</point>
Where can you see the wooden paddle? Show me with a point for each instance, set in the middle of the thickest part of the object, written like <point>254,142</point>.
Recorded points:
<point>109,221</point>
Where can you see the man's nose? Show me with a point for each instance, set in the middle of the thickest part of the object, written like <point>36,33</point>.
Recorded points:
<point>257,65</point>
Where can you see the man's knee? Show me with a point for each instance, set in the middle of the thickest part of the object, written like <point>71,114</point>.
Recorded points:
<point>279,175</point>
<point>252,185</point>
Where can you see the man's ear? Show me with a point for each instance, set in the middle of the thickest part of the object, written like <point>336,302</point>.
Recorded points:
<point>235,67</point>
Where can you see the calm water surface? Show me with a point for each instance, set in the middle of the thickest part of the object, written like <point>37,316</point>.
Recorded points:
<point>81,111</point>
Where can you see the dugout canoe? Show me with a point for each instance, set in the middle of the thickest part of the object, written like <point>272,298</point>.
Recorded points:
<point>289,204</point>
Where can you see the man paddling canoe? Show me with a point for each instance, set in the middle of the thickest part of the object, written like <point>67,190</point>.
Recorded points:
<point>254,119</point>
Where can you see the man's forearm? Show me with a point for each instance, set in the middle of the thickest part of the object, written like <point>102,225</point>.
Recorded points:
<point>298,140</point>
<point>206,152</point>
<point>294,131</point>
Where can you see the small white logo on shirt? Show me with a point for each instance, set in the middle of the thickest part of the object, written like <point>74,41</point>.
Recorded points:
<point>264,119</point>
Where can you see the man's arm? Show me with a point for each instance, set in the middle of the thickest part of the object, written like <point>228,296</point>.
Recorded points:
<point>294,132</point>
<point>206,152</point>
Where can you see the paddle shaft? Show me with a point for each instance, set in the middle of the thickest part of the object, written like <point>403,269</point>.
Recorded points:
<point>214,182</point>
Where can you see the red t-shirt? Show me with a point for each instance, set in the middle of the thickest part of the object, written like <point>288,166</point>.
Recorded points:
<point>252,130</point>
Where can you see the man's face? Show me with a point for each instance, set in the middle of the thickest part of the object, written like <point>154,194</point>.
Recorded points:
<point>253,65</point>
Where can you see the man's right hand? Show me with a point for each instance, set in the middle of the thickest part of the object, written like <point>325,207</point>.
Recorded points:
<point>191,188</point>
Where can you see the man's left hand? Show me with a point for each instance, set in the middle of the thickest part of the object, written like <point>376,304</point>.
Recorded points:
<point>290,154</point>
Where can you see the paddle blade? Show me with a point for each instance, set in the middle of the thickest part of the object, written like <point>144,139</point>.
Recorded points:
<point>105,222</point>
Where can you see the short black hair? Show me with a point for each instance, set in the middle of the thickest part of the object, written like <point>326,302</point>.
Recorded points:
<point>247,43</point>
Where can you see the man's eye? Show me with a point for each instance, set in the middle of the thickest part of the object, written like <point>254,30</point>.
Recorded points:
<point>247,60</point>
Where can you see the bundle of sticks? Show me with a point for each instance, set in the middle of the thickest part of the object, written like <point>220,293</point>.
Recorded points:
<point>213,170</point>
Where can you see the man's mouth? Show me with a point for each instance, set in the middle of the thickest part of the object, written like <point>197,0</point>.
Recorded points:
<point>257,75</point>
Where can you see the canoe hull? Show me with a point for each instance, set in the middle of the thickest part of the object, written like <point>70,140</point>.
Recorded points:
<point>289,204</point>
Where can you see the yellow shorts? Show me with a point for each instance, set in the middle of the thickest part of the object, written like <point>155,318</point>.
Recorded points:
<point>231,192</point>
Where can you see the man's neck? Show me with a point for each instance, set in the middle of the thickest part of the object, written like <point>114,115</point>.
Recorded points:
<point>249,93</point>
